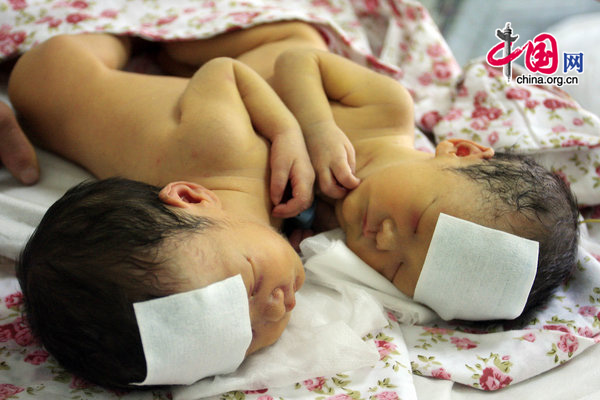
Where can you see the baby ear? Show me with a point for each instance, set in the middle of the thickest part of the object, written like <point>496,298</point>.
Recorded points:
<point>187,194</point>
<point>463,148</point>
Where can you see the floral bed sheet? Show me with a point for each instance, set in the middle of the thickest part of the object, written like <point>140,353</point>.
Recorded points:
<point>397,38</point>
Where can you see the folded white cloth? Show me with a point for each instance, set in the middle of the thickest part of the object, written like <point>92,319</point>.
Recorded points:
<point>476,273</point>
<point>191,335</point>
<point>328,257</point>
<point>323,338</point>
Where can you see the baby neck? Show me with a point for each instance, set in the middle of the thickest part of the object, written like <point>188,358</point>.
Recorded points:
<point>382,152</point>
<point>244,198</point>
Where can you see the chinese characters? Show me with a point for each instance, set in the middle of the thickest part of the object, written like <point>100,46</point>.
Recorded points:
<point>541,54</point>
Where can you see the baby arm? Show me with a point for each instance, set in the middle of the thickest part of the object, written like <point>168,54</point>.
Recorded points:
<point>289,159</point>
<point>257,47</point>
<point>309,81</point>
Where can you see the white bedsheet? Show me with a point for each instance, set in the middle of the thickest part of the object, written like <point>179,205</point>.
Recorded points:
<point>340,328</point>
<point>393,37</point>
<point>23,207</point>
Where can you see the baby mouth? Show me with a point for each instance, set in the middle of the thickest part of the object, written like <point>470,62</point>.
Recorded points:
<point>367,231</point>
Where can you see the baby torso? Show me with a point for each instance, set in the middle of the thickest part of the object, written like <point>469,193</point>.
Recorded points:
<point>161,142</point>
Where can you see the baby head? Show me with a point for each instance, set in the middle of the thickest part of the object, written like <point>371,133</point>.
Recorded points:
<point>108,244</point>
<point>390,218</point>
<point>520,196</point>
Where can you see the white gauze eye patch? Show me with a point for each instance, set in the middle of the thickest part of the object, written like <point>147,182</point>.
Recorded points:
<point>191,335</point>
<point>476,273</point>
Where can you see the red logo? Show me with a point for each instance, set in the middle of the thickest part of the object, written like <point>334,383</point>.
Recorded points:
<point>541,53</point>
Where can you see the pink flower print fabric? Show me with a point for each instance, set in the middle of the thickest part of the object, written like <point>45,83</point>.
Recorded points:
<point>473,103</point>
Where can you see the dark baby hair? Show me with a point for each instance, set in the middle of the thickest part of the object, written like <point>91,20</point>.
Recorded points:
<point>539,206</point>
<point>96,252</point>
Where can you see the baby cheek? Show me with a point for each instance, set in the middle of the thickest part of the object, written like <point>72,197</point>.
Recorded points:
<point>406,283</point>
<point>413,270</point>
<point>415,216</point>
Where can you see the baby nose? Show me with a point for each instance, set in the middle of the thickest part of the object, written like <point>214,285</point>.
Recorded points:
<point>287,294</point>
<point>384,239</point>
<point>289,299</point>
<point>282,300</point>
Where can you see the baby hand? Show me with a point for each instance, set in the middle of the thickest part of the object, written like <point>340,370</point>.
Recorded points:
<point>333,158</point>
<point>290,162</point>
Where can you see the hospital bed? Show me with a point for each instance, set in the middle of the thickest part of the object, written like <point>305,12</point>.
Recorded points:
<point>341,342</point>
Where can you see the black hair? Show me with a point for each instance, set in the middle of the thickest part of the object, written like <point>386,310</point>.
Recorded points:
<point>530,201</point>
<point>97,251</point>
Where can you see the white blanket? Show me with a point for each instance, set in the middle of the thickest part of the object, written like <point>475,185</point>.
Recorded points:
<point>393,37</point>
<point>22,207</point>
<point>324,338</point>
